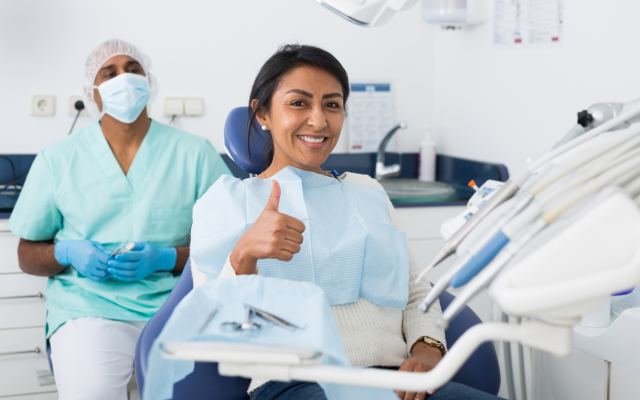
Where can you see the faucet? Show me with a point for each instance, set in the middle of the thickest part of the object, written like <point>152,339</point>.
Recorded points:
<point>387,171</point>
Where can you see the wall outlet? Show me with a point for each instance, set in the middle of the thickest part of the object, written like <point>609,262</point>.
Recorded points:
<point>43,106</point>
<point>173,106</point>
<point>71,107</point>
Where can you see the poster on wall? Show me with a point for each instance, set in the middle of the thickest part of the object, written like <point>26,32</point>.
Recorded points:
<point>521,23</point>
<point>370,115</point>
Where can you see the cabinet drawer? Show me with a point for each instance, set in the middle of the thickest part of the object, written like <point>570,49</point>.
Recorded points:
<point>8,253</point>
<point>579,376</point>
<point>21,300</point>
<point>24,367</point>
<point>39,396</point>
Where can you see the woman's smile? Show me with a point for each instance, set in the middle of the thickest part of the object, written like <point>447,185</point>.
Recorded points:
<point>313,141</point>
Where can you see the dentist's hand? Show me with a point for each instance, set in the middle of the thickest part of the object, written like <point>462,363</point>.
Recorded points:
<point>143,260</point>
<point>273,235</point>
<point>85,256</point>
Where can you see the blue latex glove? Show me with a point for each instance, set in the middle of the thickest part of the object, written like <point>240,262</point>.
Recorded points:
<point>89,258</point>
<point>143,260</point>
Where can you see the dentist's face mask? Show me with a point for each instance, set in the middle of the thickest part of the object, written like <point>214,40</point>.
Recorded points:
<point>125,96</point>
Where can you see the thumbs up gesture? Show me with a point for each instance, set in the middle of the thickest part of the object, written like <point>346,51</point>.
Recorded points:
<point>273,235</point>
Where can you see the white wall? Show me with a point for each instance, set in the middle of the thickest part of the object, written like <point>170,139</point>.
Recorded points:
<point>211,49</point>
<point>507,104</point>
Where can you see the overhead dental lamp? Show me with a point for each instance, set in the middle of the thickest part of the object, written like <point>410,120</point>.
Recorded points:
<point>446,13</point>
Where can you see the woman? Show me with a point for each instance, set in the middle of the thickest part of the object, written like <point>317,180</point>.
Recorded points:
<point>335,231</point>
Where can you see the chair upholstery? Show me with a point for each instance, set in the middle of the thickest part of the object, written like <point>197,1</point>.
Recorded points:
<point>248,151</point>
<point>481,371</point>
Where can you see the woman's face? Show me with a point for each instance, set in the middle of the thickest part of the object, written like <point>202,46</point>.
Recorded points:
<point>305,119</point>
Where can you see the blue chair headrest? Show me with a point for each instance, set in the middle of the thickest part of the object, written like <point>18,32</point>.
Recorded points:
<point>251,151</point>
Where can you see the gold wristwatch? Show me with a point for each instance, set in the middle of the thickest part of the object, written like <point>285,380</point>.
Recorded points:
<point>431,342</point>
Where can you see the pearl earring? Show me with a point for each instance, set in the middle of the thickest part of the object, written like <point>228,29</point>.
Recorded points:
<point>264,127</point>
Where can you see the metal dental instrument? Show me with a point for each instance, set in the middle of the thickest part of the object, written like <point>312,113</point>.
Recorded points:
<point>274,319</point>
<point>241,327</point>
<point>208,320</point>
<point>512,186</point>
<point>249,325</point>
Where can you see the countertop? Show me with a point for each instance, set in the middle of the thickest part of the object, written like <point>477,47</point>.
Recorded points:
<point>452,170</point>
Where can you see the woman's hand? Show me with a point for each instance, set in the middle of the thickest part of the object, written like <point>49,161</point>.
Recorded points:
<point>423,358</point>
<point>273,235</point>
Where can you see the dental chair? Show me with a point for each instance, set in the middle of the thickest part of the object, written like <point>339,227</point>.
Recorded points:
<point>480,371</point>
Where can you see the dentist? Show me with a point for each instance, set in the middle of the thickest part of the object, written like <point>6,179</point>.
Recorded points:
<point>125,178</point>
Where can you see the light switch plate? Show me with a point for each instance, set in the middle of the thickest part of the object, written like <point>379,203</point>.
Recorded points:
<point>193,106</point>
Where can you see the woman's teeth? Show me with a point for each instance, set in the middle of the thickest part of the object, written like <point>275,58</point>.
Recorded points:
<point>311,139</point>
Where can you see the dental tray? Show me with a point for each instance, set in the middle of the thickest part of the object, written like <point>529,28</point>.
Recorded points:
<point>209,351</point>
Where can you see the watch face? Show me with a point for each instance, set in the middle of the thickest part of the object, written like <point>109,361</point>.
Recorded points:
<point>434,343</point>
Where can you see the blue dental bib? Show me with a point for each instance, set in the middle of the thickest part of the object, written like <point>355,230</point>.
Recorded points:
<point>351,248</point>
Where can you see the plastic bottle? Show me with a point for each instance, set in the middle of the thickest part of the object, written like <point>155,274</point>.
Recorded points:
<point>427,158</point>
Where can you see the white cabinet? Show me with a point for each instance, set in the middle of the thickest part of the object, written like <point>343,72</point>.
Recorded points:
<point>24,368</point>
<point>579,376</point>
<point>8,250</point>
<point>422,226</point>
<point>21,300</point>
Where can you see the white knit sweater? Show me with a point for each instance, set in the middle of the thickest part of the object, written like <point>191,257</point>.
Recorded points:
<point>373,335</point>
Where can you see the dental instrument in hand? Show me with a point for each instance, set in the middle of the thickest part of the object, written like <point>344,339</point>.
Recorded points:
<point>125,248</point>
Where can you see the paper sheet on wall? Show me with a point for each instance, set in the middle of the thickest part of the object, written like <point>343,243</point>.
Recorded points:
<point>371,114</point>
<point>519,23</point>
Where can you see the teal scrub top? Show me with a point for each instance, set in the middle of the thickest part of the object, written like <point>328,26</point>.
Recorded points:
<point>76,190</point>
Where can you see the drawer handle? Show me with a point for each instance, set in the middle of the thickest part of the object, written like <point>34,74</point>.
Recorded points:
<point>35,350</point>
<point>38,295</point>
